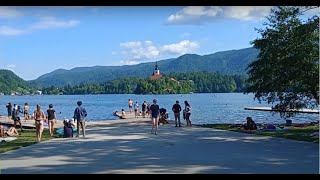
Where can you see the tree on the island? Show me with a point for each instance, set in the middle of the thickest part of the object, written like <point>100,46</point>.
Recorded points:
<point>286,72</point>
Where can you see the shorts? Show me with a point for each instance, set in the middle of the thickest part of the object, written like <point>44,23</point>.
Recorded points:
<point>155,116</point>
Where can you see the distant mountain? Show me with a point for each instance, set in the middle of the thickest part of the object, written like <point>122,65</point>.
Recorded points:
<point>11,83</point>
<point>226,62</point>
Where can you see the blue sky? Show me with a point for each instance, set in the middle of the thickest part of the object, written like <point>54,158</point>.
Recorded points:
<point>38,40</point>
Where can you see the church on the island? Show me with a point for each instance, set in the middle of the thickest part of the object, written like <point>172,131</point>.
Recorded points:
<point>156,74</point>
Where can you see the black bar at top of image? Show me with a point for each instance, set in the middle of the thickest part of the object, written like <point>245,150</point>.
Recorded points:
<point>160,2</point>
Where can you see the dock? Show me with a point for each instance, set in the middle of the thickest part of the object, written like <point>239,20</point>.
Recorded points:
<point>309,111</point>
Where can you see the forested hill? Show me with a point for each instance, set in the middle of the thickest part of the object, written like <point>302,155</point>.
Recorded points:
<point>11,83</point>
<point>226,62</point>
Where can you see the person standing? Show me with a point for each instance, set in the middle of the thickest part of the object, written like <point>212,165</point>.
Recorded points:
<point>17,110</point>
<point>51,116</point>
<point>130,103</point>
<point>144,109</point>
<point>26,112</point>
<point>39,117</point>
<point>155,111</point>
<point>9,109</point>
<point>136,109</point>
<point>80,114</point>
<point>187,112</point>
<point>176,108</point>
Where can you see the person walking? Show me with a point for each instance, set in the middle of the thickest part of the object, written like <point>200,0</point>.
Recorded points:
<point>39,117</point>
<point>176,108</point>
<point>80,114</point>
<point>155,111</point>
<point>51,116</point>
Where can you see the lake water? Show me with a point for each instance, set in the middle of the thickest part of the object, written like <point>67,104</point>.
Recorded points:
<point>206,108</point>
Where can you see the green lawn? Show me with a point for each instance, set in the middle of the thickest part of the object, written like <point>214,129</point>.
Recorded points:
<point>27,138</point>
<point>295,133</point>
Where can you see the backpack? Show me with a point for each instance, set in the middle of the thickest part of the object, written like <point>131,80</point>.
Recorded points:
<point>80,113</point>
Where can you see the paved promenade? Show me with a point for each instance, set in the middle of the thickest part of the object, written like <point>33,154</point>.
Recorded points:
<point>125,146</point>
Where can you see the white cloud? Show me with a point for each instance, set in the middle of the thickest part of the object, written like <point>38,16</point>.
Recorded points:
<point>137,51</point>
<point>202,14</point>
<point>129,62</point>
<point>51,22</point>
<point>11,66</point>
<point>8,12</point>
<point>182,47</point>
<point>44,23</point>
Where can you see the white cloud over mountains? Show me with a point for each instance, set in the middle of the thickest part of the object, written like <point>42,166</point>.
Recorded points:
<point>197,15</point>
<point>43,23</point>
<point>137,51</point>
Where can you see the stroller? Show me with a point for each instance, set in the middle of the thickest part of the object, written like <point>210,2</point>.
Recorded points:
<point>163,116</point>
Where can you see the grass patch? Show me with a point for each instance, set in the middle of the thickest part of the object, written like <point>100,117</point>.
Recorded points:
<point>27,138</point>
<point>295,133</point>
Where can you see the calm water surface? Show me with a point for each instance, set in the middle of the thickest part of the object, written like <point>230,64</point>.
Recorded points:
<point>206,108</point>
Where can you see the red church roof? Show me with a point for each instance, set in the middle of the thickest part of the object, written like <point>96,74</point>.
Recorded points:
<point>156,76</point>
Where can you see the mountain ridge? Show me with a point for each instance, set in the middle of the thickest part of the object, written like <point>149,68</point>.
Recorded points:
<point>225,62</point>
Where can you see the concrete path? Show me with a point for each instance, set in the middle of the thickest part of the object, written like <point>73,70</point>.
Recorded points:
<point>131,148</point>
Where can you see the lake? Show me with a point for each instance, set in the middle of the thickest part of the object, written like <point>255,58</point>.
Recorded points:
<point>206,108</point>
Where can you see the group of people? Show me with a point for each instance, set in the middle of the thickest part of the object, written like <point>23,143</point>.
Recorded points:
<point>155,113</point>
<point>176,108</point>
<point>40,117</point>
<point>145,108</point>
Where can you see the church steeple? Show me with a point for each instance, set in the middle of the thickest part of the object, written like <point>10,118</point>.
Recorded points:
<point>156,69</point>
<point>156,73</point>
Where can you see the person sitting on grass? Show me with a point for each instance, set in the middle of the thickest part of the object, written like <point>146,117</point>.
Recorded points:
<point>250,125</point>
<point>11,132</point>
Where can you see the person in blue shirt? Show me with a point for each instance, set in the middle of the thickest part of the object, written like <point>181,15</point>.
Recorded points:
<point>80,114</point>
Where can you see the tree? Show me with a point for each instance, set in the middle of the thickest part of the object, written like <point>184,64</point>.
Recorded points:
<point>286,71</point>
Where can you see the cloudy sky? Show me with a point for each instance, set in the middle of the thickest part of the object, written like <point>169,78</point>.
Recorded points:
<point>38,40</point>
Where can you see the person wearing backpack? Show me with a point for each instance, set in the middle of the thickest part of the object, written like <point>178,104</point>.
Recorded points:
<point>80,114</point>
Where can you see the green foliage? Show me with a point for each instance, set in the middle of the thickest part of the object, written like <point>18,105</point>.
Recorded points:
<point>28,137</point>
<point>11,83</point>
<point>174,83</point>
<point>286,71</point>
<point>227,62</point>
<point>295,133</point>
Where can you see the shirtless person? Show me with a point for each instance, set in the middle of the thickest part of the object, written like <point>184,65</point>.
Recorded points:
<point>130,103</point>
